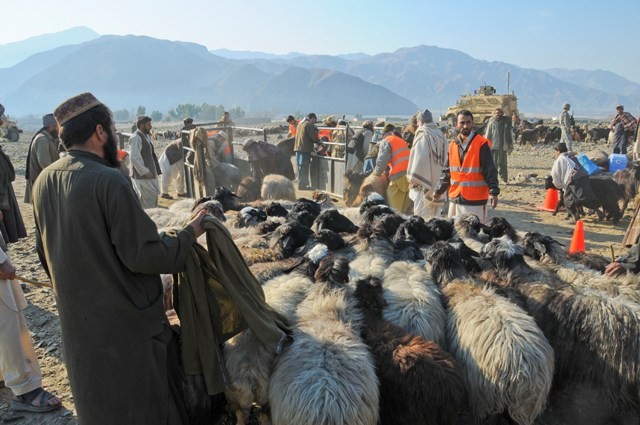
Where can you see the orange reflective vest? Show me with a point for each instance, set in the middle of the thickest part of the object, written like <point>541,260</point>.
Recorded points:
<point>399,155</point>
<point>225,151</point>
<point>292,128</point>
<point>466,177</point>
<point>121,154</point>
<point>324,133</point>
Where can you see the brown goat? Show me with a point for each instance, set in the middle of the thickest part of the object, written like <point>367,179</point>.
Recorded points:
<point>420,383</point>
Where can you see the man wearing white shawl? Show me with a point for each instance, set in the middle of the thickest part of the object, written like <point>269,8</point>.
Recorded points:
<point>428,156</point>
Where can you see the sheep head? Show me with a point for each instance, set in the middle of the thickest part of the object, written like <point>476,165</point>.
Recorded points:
<point>303,204</point>
<point>414,227</point>
<point>372,200</point>
<point>333,220</point>
<point>249,189</point>
<point>441,228</point>
<point>505,255</point>
<point>469,226</point>
<point>302,217</point>
<point>333,270</point>
<point>275,209</point>
<point>226,197</point>
<point>289,236</point>
<point>543,248</point>
<point>250,216</point>
<point>369,295</point>
<point>446,264</point>
<point>499,226</point>
<point>331,239</point>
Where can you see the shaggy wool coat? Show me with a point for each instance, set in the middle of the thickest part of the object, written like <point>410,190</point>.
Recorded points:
<point>104,256</point>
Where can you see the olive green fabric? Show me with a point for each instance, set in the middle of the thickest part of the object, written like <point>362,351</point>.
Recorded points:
<point>217,298</point>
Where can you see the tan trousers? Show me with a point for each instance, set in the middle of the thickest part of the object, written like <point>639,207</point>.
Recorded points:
<point>398,196</point>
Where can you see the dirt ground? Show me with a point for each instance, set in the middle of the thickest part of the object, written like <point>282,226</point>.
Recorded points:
<point>518,204</point>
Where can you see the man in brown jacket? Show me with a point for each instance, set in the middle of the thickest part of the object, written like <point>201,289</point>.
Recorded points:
<point>306,138</point>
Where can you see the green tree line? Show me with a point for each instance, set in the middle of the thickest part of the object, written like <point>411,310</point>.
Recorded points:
<point>203,113</point>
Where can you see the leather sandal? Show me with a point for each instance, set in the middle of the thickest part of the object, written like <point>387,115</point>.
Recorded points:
<point>38,401</point>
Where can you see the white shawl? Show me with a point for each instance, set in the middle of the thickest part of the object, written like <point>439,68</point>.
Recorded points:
<point>428,156</point>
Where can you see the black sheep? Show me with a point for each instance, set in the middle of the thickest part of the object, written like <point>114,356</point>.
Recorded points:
<point>416,228</point>
<point>275,209</point>
<point>333,220</point>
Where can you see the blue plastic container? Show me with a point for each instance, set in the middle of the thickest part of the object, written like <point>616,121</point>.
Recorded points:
<point>617,162</point>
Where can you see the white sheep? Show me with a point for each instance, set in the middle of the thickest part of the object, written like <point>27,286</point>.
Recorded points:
<point>247,360</point>
<point>327,376</point>
<point>414,302</point>
<point>276,187</point>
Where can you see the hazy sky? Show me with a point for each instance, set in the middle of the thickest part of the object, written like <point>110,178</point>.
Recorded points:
<point>539,34</point>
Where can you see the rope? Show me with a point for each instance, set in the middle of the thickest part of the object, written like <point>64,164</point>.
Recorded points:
<point>33,282</point>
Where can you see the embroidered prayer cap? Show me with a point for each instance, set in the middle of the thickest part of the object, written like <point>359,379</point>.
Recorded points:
<point>75,106</point>
<point>142,119</point>
<point>48,120</point>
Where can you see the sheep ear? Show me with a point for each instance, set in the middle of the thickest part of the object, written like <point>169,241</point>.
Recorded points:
<point>540,247</point>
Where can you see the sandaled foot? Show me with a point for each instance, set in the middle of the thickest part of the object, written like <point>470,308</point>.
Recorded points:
<point>38,401</point>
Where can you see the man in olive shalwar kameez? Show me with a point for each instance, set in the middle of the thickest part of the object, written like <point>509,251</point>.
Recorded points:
<point>104,256</point>
<point>501,136</point>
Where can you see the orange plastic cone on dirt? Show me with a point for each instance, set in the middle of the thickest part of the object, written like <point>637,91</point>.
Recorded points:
<point>577,241</point>
<point>550,200</point>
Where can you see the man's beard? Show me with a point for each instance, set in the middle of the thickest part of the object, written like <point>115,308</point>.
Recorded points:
<point>465,132</point>
<point>145,130</point>
<point>111,151</point>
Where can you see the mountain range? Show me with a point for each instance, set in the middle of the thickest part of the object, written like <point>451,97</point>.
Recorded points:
<point>127,71</point>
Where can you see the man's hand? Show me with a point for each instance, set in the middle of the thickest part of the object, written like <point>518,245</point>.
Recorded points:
<point>614,269</point>
<point>436,197</point>
<point>7,271</point>
<point>494,201</point>
<point>196,223</point>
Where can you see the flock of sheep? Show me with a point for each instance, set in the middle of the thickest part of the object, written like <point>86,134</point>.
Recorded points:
<point>401,320</point>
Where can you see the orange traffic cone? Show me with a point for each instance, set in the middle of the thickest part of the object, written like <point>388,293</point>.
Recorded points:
<point>577,241</point>
<point>550,200</point>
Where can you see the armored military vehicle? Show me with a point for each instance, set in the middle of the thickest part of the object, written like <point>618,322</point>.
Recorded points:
<point>9,129</point>
<point>482,103</point>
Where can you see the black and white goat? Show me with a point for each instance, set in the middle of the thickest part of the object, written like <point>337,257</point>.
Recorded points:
<point>327,375</point>
<point>507,361</point>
